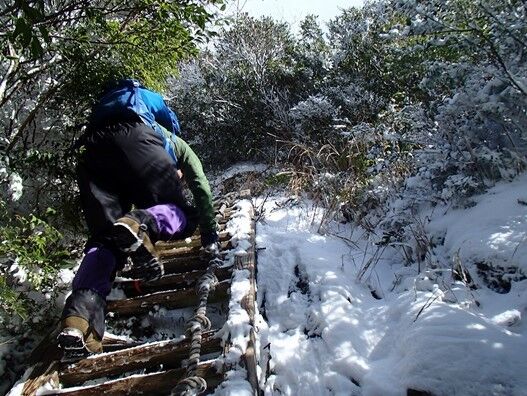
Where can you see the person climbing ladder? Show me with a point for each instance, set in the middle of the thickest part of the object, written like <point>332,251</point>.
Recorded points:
<point>130,169</point>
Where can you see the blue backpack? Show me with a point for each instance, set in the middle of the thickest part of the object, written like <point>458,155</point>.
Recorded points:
<point>129,95</point>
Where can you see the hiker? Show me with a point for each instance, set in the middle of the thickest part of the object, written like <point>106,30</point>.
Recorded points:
<point>130,157</point>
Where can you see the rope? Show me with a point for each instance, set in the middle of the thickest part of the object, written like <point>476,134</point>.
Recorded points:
<point>190,386</point>
<point>193,385</point>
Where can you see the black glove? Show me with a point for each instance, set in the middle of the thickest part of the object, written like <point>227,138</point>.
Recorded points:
<point>146,270</point>
<point>209,241</point>
<point>208,238</point>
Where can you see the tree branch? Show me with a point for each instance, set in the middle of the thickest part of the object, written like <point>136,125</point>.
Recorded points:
<point>31,116</point>
<point>13,63</point>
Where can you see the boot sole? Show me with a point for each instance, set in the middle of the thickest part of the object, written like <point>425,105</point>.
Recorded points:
<point>128,241</point>
<point>125,238</point>
<point>71,341</point>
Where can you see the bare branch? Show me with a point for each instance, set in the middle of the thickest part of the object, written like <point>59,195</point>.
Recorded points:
<point>41,101</point>
<point>13,63</point>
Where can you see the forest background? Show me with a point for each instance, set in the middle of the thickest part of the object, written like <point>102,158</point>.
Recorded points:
<point>393,107</point>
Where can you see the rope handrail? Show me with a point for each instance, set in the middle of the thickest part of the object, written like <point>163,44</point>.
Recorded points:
<point>192,384</point>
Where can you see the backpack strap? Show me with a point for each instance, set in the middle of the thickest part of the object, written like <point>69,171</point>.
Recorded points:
<point>137,104</point>
<point>130,96</point>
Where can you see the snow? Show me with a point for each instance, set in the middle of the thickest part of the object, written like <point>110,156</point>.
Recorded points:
<point>242,167</point>
<point>237,326</point>
<point>116,294</point>
<point>17,389</point>
<point>14,182</point>
<point>237,170</point>
<point>339,315</point>
<point>495,229</point>
<point>326,334</point>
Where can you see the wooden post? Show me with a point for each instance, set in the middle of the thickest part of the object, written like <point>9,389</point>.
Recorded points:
<point>248,262</point>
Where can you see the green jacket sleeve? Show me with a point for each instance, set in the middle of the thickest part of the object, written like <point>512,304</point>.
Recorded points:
<point>198,184</point>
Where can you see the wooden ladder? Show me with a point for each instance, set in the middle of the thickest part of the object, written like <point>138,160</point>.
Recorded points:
<point>155,368</point>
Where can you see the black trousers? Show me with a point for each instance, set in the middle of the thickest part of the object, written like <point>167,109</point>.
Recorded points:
<point>122,164</point>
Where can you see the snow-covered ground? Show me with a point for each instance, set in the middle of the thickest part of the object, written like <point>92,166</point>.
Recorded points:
<point>323,331</point>
<point>340,314</point>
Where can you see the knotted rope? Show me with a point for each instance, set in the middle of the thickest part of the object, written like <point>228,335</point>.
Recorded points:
<point>193,385</point>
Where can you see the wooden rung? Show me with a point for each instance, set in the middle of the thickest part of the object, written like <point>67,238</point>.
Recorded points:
<point>194,241</point>
<point>219,203</point>
<point>48,349</point>
<point>244,193</point>
<point>227,213</point>
<point>187,251</point>
<point>222,223</point>
<point>228,198</point>
<point>168,299</point>
<point>223,207</point>
<point>174,281</point>
<point>112,340</point>
<point>178,265</point>
<point>112,344</point>
<point>168,353</point>
<point>147,384</point>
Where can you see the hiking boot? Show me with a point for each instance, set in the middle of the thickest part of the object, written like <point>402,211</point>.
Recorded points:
<point>77,339</point>
<point>131,237</point>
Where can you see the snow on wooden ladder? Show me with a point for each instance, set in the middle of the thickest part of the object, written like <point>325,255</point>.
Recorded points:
<point>156,368</point>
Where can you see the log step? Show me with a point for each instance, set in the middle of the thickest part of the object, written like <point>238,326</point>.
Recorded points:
<point>195,240</point>
<point>185,280</point>
<point>189,251</point>
<point>179,265</point>
<point>154,384</point>
<point>169,353</point>
<point>167,299</point>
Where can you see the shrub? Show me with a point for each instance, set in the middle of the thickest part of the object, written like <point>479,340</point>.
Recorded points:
<point>32,253</point>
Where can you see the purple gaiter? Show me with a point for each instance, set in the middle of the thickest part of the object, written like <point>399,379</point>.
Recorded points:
<point>169,218</point>
<point>96,271</point>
